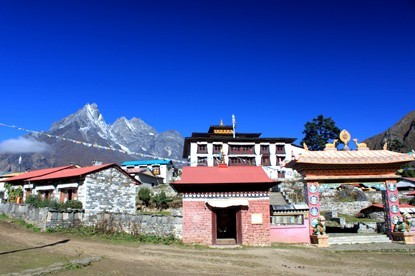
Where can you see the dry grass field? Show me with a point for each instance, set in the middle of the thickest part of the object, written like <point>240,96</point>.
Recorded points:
<point>22,249</point>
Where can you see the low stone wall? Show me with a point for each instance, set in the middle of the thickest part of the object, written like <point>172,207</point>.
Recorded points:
<point>157,225</point>
<point>43,218</point>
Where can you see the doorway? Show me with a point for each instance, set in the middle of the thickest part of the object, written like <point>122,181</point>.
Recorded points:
<point>226,230</point>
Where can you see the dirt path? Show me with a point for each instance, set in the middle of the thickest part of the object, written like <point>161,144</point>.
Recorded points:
<point>139,259</point>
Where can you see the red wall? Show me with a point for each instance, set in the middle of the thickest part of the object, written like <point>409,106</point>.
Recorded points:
<point>256,234</point>
<point>197,223</point>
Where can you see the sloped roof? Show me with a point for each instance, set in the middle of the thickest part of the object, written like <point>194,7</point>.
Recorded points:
<point>353,157</point>
<point>38,173</point>
<point>227,174</point>
<point>72,172</point>
<point>147,162</point>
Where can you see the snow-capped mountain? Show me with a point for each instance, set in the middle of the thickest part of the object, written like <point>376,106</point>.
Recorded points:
<point>89,138</point>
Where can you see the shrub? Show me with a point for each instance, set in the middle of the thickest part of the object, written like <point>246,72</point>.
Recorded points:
<point>33,200</point>
<point>144,194</point>
<point>54,204</point>
<point>73,204</point>
<point>161,200</point>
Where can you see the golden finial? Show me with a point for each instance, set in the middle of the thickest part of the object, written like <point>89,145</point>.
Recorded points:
<point>305,146</point>
<point>385,146</point>
<point>345,138</point>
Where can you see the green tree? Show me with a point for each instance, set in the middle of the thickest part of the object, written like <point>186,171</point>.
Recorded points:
<point>144,194</point>
<point>319,131</point>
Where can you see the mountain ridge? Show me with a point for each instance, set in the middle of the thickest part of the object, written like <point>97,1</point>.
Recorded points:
<point>84,137</point>
<point>400,137</point>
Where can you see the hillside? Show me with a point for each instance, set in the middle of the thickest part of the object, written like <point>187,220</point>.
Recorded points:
<point>400,137</point>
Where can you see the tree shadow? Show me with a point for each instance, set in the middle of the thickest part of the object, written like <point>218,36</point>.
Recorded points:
<point>37,247</point>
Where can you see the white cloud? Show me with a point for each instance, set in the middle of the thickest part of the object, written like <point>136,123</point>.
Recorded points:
<point>23,145</point>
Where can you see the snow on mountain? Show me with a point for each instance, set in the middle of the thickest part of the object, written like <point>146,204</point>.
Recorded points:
<point>137,139</point>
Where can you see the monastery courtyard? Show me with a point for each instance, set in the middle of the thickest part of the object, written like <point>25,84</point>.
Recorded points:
<point>23,250</point>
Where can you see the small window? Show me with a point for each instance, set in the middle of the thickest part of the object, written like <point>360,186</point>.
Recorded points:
<point>217,148</point>
<point>68,194</point>
<point>202,161</point>
<point>202,148</point>
<point>288,220</point>
<point>156,170</point>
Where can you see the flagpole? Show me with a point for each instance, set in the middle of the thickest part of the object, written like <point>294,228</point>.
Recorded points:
<point>233,124</point>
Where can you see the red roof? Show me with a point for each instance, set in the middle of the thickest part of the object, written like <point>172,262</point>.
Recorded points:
<point>353,157</point>
<point>71,172</point>
<point>217,175</point>
<point>38,173</point>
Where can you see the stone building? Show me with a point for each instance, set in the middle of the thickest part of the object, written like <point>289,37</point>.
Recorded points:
<point>101,188</point>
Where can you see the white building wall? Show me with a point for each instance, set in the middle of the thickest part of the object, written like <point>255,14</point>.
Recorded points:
<point>272,158</point>
<point>193,154</point>
<point>258,156</point>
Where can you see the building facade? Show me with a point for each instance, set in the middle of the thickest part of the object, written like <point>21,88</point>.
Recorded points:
<point>221,144</point>
<point>101,188</point>
<point>161,168</point>
<point>224,205</point>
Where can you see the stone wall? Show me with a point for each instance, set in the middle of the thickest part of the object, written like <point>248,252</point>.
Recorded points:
<point>42,217</point>
<point>108,191</point>
<point>157,225</point>
<point>349,208</point>
<point>131,223</point>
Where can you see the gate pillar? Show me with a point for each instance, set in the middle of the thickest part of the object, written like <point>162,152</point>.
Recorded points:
<point>390,200</point>
<point>312,198</point>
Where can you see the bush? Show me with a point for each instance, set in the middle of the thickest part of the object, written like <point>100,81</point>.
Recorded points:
<point>144,194</point>
<point>161,200</point>
<point>73,204</point>
<point>54,204</point>
<point>37,202</point>
<point>33,200</point>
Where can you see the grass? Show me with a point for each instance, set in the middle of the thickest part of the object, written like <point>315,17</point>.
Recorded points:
<point>116,236</point>
<point>155,212</point>
<point>21,222</point>
<point>350,218</point>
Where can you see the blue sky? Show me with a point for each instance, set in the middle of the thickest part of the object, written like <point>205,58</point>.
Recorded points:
<point>185,65</point>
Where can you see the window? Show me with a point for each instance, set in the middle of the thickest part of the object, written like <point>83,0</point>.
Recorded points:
<point>264,149</point>
<point>202,148</point>
<point>241,149</point>
<point>238,161</point>
<point>280,149</point>
<point>46,194</point>
<point>217,148</point>
<point>156,170</point>
<point>68,194</point>
<point>287,220</point>
<point>202,161</point>
<point>265,161</point>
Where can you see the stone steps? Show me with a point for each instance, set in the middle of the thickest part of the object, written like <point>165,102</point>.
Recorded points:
<point>354,239</point>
